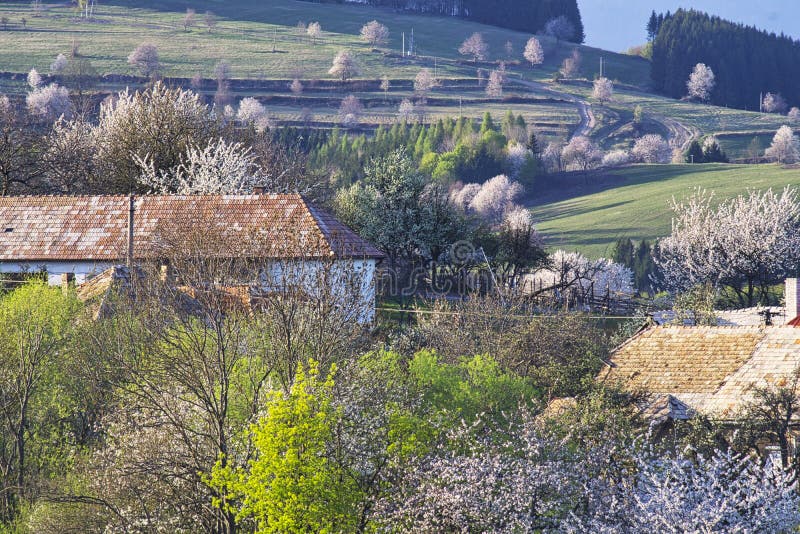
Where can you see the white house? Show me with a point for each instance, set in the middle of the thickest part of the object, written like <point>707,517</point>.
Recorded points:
<point>82,236</point>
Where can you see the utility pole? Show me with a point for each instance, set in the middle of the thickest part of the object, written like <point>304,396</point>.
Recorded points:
<point>411,44</point>
<point>601,66</point>
<point>404,44</point>
<point>761,102</point>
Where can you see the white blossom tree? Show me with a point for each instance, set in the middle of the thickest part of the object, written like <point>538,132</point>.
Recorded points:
<point>296,87</point>
<point>517,155</point>
<point>533,52</point>
<point>218,168</point>
<point>701,82</point>
<point>59,65</point>
<point>602,90</point>
<point>494,87</point>
<point>794,113</point>
<point>773,103</point>
<point>474,46</point>
<point>49,102</point>
<point>424,82</point>
<point>344,66</point>
<point>314,30</point>
<point>785,147</point>
<point>145,59</point>
<point>495,198</point>
<point>745,244</point>
<point>581,153</point>
<point>406,110</point>
<point>34,79</point>
<point>350,110</point>
<point>251,111</point>
<point>652,148</point>
<point>616,158</point>
<point>375,33</point>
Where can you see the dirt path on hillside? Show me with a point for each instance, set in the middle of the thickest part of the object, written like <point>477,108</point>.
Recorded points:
<point>680,135</point>
<point>587,121</point>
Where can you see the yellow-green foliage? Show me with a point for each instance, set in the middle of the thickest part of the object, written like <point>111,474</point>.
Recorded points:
<point>291,486</point>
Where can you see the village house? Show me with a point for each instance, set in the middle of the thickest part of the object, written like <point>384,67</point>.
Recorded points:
<point>76,238</point>
<point>709,370</point>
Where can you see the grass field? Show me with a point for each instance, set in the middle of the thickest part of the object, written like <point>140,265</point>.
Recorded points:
<point>248,29</point>
<point>634,202</point>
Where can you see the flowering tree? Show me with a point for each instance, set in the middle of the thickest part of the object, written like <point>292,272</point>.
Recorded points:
<point>517,155</point>
<point>785,147</point>
<point>794,113</point>
<point>495,198</point>
<point>773,103</point>
<point>582,153</point>
<point>314,30</point>
<point>49,102</point>
<point>474,46</point>
<point>34,79</point>
<point>652,148</point>
<point>145,59</point>
<point>494,88</point>
<point>424,82</point>
<point>59,65</point>
<point>616,158</point>
<point>350,110</point>
<point>344,66</point>
<point>746,243</point>
<point>571,65</point>
<point>572,270</point>
<point>158,124</point>
<point>701,82</point>
<point>602,90</point>
<point>406,110</point>
<point>219,168</point>
<point>720,493</point>
<point>375,33</point>
<point>533,52</point>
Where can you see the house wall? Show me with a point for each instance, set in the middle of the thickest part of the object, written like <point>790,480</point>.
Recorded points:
<point>54,269</point>
<point>351,282</point>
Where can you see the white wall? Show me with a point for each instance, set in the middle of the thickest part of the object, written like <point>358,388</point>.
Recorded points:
<point>353,281</point>
<point>81,269</point>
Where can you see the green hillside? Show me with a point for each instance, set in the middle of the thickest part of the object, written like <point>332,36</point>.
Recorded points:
<point>635,201</point>
<point>246,31</point>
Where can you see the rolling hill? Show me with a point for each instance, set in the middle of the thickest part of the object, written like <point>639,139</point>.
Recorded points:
<point>591,212</point>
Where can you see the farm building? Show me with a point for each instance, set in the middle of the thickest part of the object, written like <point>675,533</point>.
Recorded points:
<point>709,370</point>
<point>79,237</point>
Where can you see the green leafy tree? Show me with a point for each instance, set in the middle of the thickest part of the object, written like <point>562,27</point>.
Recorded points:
<point>34,328</point>
<point>291,485</point>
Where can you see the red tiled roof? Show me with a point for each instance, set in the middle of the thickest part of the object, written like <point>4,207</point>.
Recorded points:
<point>53,228</point>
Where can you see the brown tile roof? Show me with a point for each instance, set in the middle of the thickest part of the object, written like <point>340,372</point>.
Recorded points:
<point>710,369</point>
<point>52,228</point>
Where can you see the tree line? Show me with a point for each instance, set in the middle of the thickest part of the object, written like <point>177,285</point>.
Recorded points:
<point>528,16</point>
<point>747,62</point>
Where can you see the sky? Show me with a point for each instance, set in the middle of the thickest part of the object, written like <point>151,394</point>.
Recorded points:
<point>619,24</point>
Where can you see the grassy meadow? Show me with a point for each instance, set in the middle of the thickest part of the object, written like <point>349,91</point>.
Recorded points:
<point>635,201</point>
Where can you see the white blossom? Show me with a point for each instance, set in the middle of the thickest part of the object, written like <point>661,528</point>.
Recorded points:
<point>602,90</point>
<point>517,155</point>
<point>581,153</point>
<point>652,148</point>
<point>49,102</point>
<point>701,82</point>
<point>749,240</point>
<point>533,52</point>
<point>59,65</point>
<point>785,147</point>
<point>616,158</point>
<point>219,168</point>
<point>34,79</point>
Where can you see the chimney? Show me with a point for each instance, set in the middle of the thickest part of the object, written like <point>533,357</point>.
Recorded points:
<point>129,257</point>
<point>259,190</point>
<point>792,298</point>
